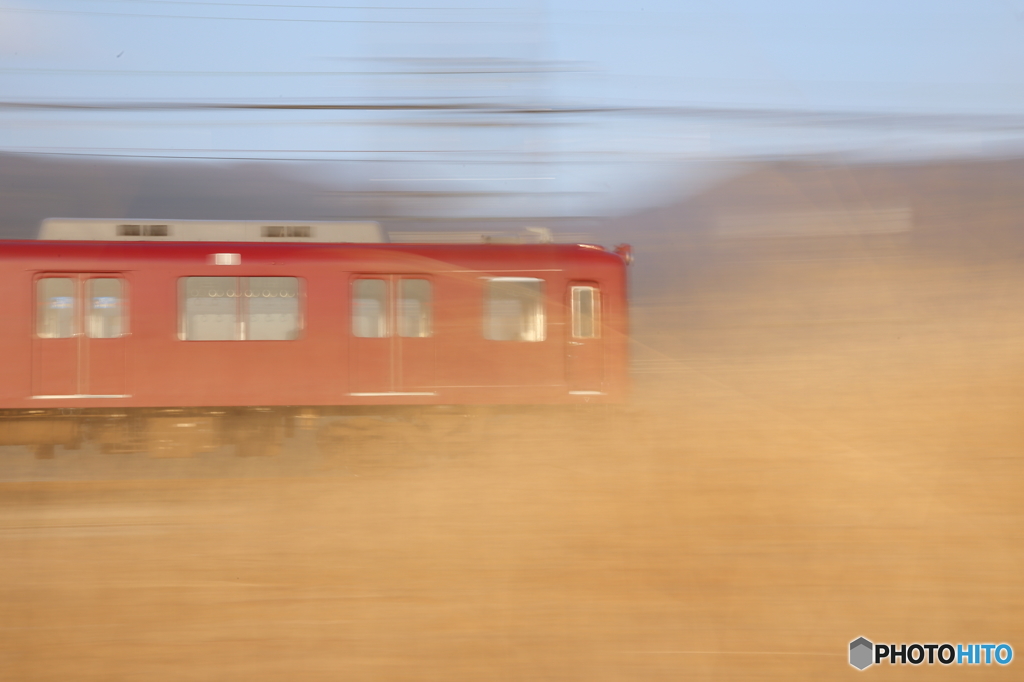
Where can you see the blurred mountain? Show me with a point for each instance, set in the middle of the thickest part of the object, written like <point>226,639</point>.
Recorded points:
<point>36,187</point>
<point>33,188</point>
<point>792,251</point>
<point>801,211</point>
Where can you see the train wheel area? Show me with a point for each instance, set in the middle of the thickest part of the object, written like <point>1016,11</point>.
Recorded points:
<point>306,440</point>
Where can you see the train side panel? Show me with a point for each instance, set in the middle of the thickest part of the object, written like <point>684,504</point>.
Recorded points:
<point>469,354</point>
<point>16,333</point>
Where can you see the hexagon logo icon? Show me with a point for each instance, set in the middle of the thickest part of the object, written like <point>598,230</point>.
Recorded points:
<point>861,653</point>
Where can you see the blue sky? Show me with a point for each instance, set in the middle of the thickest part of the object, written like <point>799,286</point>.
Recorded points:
<point>961,59</point>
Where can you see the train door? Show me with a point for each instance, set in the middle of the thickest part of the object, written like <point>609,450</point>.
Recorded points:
<point>80,336</point>
<point>585,350</point>
<point>392,344</point>
<point>519,355</point>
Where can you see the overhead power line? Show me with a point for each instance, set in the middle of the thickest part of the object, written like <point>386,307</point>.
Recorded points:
<point>134,15</point>
<point>206,150</point>
<point>188,157</point>
<point>424,72</point>
<point>154,105</point>
<point>326,7</point>
<point>497,157</point>
<point>786,117</point>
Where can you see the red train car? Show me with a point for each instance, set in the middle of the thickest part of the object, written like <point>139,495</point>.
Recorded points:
<point>120,329</point>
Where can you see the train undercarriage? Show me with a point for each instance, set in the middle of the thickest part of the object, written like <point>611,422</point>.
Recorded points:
<point>264,431</point>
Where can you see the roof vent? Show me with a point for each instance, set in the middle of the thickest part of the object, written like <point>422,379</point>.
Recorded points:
<point>142,231</point>
<point>285,231</point>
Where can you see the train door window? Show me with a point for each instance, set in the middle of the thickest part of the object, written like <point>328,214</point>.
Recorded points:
<point>55,316</point>
<point>586,312</point>
<point>210,309</point>
<point>104,308</point>
<point>271,308</point>
<point>514,309</point>
<point>369,308</point>
<point>414,308</point>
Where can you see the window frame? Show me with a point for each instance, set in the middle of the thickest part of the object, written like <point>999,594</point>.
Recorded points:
<point>384,315</point>
<point>429,324</point>
<point>87,308</point>
<point>80,307</point>
<point>241,311</point>
<point>486,317</point>
<point>75,304</point>
<point>595,310</point>
<point>392,316</point>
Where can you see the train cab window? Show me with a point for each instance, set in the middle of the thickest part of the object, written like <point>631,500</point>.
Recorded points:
<point>514,309</point>
<point>104,308</point>
<point>55,314</point>
<point>586,312</point>
<point>414,308</point>
<point>369,308</point>
<point>240,309</point>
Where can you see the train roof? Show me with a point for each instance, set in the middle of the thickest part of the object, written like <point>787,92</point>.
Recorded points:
<point>309,232</point>
<point>135,254</point>
<point>221,242</point>
<point>88,229</point>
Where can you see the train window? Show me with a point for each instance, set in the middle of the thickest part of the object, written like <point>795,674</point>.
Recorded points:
<point>369,308</point>
<point>514,309</point>
<point>414,308</point>
<point>55,315</point>
<point>210,309</point>
<point>104,312</point>
<point>272,308</point>
<point>240,309</point>
<point>586,312</point>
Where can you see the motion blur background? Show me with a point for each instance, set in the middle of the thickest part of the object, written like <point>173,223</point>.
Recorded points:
<point>824,439</point>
